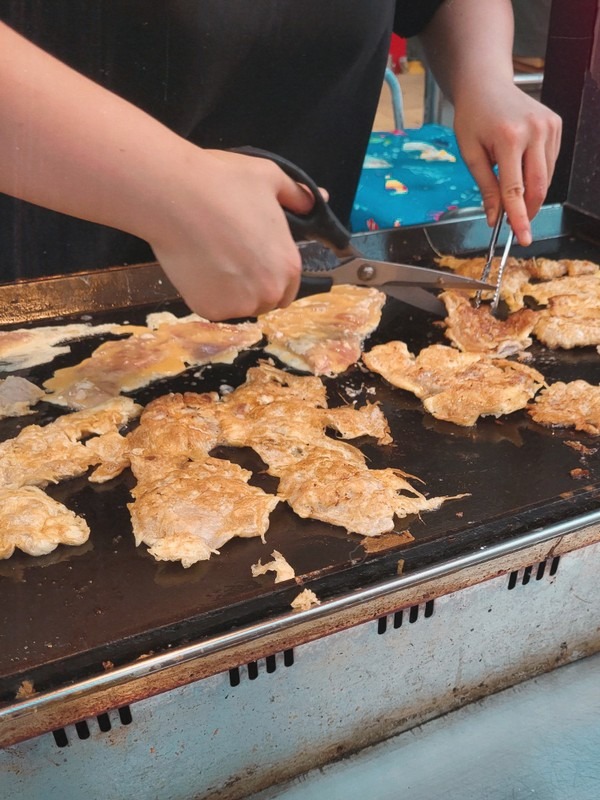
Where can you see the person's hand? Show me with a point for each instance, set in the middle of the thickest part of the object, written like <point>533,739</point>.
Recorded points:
<point>224,240</point>
<point>503,126</point>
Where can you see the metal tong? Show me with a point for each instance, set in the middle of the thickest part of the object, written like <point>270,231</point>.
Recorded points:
<point>490,256</point>
<point>407,282</point>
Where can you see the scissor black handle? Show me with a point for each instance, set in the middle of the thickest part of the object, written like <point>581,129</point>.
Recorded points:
<point>320,223</point>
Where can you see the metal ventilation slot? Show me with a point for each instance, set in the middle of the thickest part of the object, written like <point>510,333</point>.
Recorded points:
<point>60,737</point>
<point>534,572</point>
<point>253,667</point>
<point>399,617</point>
<point>104,722</point>
<point>83,729</point>
<point>125,715</point>
<point>554,565</point>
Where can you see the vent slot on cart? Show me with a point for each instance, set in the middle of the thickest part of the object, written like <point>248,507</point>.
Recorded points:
<point>534,572</point>
<point>253,668</point>
<point>411,615</point>
<point>83,730</point>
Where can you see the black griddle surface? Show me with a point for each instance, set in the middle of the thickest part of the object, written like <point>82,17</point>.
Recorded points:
<point>63,615</point>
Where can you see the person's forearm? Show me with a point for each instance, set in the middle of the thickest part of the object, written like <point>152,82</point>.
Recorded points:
<point>468,43</point>
<point>69,145</point>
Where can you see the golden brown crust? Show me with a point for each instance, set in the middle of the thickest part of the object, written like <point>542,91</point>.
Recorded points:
<point>456,387</point>
<point>129,364</point>
<point>194,509</point>
<point>42,455</point>
<point>570,320</point>
<point>519,274</point>
<point>324,333</point>
<point>569,405</point>
<point>33,522</point>
<point>516,274</point>
<point>586,286</point>
<point>476,330</point>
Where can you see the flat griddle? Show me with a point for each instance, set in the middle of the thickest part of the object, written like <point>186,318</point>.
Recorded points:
<point>78,610</point>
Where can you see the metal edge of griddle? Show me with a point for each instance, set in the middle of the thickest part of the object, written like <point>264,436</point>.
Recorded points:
<point>84,293</point>
<point>19,711</point>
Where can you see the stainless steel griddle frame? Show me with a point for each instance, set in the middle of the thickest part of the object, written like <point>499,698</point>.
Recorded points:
<point>233,714</point>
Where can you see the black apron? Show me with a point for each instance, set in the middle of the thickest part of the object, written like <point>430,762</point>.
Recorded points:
<point>300,78</point>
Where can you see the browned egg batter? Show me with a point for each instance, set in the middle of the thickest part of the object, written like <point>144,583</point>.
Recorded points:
<point>476,330</point>
<point>128,364</point>
<point>456,387</point>
<point>569,320</point>
<point>569,405</point>
<point>321,477</point>
<point>347,493</point>
<point>193,509</point>
<point>33,522</point>
<point>324,333</point>
<point>568,290</point>
<point>282,569</point>
<point>28,347</point>
<point>29,519</point>
<point>52,453</point>
<point>17,396</point>
<point>518,274</point>
<point>188,504</point>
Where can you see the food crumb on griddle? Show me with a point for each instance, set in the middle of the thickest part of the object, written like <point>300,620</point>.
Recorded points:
<point>305,600</point>
<point>25,690</point>
<point>282,569</point>
<point>581,448</point>
<point>386,541</point>
<point>578,473</point>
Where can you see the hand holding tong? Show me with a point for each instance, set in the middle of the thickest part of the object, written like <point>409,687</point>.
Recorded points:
<point>407,282</point>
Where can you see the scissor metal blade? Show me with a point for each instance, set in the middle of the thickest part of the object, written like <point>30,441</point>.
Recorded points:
<point>418,297</point>
<point>367,272</point>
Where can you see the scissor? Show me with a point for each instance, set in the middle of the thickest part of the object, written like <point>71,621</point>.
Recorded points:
<point>407,282</point>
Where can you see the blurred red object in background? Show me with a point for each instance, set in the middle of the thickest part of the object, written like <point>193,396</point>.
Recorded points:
<point>398,60</point>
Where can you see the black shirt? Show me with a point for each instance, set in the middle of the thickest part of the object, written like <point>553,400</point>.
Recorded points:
<point>299,78</point>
